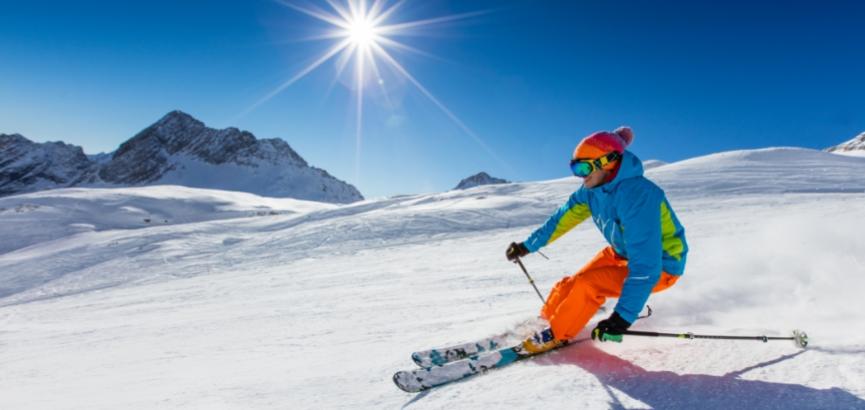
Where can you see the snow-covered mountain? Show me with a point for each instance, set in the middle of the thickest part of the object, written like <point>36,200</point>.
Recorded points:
<point>177,150</point>
<point>481,178</point>
<point>854,147</point>
<point>317,305</point>
<point>28,166</point>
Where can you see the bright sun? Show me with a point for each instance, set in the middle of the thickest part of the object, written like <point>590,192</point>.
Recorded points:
<point>362,32</point>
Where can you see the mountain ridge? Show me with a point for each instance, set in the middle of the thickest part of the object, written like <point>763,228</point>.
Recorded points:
<point>855,146</point>
<point>177,149</point>
<point>481,178</point>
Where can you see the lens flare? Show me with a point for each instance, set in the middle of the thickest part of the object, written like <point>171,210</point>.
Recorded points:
<point>361,32</point>
<point>363,35</point>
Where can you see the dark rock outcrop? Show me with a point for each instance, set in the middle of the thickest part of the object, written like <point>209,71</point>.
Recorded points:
<point>481,178</point>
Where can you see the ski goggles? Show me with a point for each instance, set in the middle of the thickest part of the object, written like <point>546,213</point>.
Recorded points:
<point>584,167</point>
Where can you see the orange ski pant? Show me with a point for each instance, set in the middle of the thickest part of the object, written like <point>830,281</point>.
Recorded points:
<point>575,299</point>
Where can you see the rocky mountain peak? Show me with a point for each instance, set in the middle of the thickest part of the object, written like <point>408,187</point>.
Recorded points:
<point>27,166</point>
<point>855,144</point>
<point>481,178</point>
<point>178,116</point>
<point>145,157</point>
<point>8,139</point>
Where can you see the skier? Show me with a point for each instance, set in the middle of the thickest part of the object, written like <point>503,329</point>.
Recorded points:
<point>647,249</point>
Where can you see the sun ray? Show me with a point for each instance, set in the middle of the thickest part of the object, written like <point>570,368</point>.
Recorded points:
<point>306,39</point>
<point>396,65</point>
<point>325,36</point>
<point>403,28</point>
<point>404,47</point>
<point>359,124</point>
<point>363,35</point>
<point>376,8</point>
<point>380,18</point>
<point>316,13</point>
<point>378,77</point>
<point>343,13</point>
<point>357,9</point>
<point>321,60</point>
<point>341,63</point>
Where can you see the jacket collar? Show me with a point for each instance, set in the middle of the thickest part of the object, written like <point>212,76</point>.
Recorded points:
<point>631,167</point>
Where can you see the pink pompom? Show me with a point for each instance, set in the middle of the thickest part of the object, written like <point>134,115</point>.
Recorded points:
<point>626,134</point>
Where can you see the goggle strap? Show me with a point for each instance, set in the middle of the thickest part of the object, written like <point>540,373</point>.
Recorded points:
<point>606,159</point>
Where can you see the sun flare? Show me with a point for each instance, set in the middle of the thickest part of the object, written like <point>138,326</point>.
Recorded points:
<point>361,31</point>
<point>364,35</point>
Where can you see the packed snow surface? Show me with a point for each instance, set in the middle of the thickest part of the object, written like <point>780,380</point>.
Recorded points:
<point>227,300</point>
<point>48,215</point>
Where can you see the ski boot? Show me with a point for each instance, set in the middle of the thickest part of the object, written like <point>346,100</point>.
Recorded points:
<point>541,342</point>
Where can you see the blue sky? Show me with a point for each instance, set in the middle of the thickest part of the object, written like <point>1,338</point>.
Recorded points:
<point>527,78</point>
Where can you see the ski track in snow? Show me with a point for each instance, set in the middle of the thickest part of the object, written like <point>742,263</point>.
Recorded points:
<point>316,307</point>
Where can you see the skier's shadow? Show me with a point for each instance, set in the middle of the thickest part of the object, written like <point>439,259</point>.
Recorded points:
<point>668,390</point>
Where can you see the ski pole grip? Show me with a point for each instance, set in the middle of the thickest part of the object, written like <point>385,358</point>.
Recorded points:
<point>606,337</point>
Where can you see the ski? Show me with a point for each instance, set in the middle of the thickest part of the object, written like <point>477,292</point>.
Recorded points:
<point>417,380</point>
<point>444,355</point>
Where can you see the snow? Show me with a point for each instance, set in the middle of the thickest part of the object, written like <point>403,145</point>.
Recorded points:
<point>259,177</point>
<point>55,214</point>
<point>317,305</point>
<point>763,171</point>
<point>859,153</point>
<point>653,163</point>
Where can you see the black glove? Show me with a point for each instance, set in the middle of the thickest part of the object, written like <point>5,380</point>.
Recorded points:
<point>611,329</point>
<point>516,250</point>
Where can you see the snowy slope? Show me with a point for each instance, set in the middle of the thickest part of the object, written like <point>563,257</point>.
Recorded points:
<point>55,214</point>
<point>763,171</point>
<point>317,308</point>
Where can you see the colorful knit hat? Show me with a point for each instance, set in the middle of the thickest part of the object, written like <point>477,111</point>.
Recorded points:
<point>603,142</point>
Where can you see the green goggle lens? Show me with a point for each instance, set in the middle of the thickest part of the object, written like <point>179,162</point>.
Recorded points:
<point>582,168</point>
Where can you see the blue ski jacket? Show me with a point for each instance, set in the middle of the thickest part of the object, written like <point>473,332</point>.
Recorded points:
<point>636,219</point>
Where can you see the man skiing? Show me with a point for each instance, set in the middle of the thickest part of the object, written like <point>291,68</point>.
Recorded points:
<point>647,249</point>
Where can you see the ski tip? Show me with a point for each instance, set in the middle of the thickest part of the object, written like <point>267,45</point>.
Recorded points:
<point>402,379</point>
<point>417,359</point>
<point>801,338</point>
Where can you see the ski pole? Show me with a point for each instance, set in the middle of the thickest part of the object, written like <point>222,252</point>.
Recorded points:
<point>532,281</point>
<point>800,337</point>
